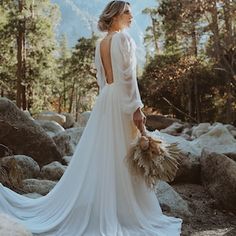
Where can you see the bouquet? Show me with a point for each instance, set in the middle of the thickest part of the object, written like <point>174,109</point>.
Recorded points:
<point>152,159</point>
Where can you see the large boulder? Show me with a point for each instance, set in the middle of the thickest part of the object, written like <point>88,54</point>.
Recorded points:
<point>186,147</point>
<point>10,227</point>
<point>189,170</point>
<point>50,126</point>
<point>231,129</point>
<point>66,141</point>
<point>173,129</point>
<point>23,136</point>
<point>53,171</point>
<point>219,178</point>
<point>40,186</point>
<point>70,121</point>
<point>29,167</point>
<point>170,200</point>
<point>4,151</point>
<point>159,122</point>
<point>53,116</point>
<point>218,139</point>
<point>200,129</point>
<point>66,160</point>
<point>82,119</point>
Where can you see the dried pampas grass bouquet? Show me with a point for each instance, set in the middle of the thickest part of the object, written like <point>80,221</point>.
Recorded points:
<point>152,159</point>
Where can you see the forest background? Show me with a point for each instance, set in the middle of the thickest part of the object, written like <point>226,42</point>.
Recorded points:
<point>189,71</point>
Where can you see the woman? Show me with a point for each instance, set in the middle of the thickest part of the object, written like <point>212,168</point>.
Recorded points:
<point>96,195</point>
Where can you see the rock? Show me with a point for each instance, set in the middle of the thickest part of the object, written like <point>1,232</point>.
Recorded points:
<point>40,186</point>
<point>173,129</point>
<point>66,160</point>
<point>186,147</point>
<point>231,155</point>
<point>29,167</point>
<point>219,139</point>
<point>200,129</point>
<point>67,140</point>
<point>219,178</point>
<point>10,227</point>
<point>50,126</point>
<point>83,118</point>
<point>23,136</point>
<point>231,129</point>
<point>70,121</point>
<point>53,171</point>
<point>64,146</point>
<point>28,114</point>
<point>171,200</point>
<point>187,131</point>
<point>159,122</point>
<point>186,136</point>
<point>4,151</point>
<point>53,116</point>
<point>189,171</point>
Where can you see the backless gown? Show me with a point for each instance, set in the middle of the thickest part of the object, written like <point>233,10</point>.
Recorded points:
<point>97,196</point>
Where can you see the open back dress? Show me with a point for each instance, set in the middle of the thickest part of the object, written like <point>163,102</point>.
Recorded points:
<point>97,196</point>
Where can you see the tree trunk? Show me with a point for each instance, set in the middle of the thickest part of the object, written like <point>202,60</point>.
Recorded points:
<point>72,96</point>
<point>24,89</point>
<point>229,101</point>
<point>77,104</point>
<point>64,92</point>
<point>190,100</point>
<point>20,57</point>
<point>215,30</point>
<point>228,23</point>
<point>195,85</point>
<point>154,31</point>
<point>59,104</point>
<point>194,37</point>
<point>228,45</point>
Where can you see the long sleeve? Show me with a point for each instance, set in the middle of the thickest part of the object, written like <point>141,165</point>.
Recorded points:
<point>125,65</point>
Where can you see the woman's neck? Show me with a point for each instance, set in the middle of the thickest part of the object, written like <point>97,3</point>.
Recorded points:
<point>113,29</point>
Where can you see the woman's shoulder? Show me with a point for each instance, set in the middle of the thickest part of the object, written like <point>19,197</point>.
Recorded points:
<point>122,35</point>
<point>124,38</point>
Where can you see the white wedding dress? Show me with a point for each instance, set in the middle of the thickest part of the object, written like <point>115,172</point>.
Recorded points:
<point>97,196</point>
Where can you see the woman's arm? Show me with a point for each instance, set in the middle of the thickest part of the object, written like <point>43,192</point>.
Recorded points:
<point>126,64</point>
<point>139,120</point>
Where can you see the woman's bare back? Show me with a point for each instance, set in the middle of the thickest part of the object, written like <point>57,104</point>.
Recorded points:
<point>105,52</point>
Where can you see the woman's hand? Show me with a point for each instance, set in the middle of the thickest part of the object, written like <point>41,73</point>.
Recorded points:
<point>139,120</point>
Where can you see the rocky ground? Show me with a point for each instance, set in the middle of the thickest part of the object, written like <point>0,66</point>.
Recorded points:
<point>208,219</point>
<point>35,152</point>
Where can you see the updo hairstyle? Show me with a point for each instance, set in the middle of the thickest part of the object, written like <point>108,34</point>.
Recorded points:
<point>112,9</point>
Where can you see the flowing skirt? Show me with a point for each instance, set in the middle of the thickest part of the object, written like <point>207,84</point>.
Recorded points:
<point>96,196</point>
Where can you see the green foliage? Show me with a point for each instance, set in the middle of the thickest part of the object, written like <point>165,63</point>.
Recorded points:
<point>39,21</point>
<point>53,77</point>
<point>172,77</point>
<point>82,74</point>
<point>196,68</point>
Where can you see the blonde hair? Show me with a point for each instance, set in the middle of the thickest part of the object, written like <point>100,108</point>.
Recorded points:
<point>112,9</point>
